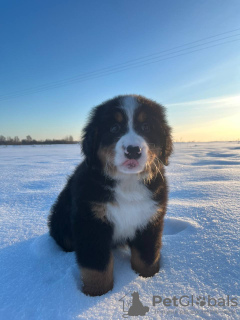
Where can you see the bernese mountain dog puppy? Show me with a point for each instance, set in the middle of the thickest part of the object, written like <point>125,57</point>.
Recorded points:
<point>118,194</point>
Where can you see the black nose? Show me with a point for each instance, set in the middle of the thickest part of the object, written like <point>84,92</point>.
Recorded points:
<point>133,152</point>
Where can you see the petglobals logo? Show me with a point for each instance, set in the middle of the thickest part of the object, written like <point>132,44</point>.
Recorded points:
<point>133,304</point>
<point>201,301</point>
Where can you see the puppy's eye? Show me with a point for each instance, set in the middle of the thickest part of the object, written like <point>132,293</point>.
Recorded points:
<point>145,127</point>
<point>115,128</point>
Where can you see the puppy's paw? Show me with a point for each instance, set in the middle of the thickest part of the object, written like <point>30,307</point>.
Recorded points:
<point>95,282</point>
<point>97,288</point>
<point>141,267</point>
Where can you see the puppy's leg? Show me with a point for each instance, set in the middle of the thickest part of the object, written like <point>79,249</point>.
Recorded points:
<point>143,267</point>
<point>97,282</point>
<point>145,250</point>
<point>92,243</point>
<point>59,222</point>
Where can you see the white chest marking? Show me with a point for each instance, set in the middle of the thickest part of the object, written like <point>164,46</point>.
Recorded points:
<point>133,210</point>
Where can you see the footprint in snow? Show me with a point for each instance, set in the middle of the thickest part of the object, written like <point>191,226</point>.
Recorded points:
<point>174,226</point>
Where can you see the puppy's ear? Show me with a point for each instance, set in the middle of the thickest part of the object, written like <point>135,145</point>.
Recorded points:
<point>167,146</point>
<point>90,137</point>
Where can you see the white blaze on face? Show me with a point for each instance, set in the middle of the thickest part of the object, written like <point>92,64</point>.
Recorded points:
<point>131,138</point>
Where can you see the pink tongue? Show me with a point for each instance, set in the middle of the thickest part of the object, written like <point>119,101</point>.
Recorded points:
<point>131,163</point>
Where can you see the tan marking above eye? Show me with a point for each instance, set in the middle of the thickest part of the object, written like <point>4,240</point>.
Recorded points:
<point>142,116</point>
<point>118,116</point>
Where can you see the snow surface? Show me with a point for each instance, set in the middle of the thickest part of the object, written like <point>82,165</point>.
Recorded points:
<point>200,253</point>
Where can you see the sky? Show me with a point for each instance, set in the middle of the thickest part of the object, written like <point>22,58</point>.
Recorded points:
<point>61,58</point>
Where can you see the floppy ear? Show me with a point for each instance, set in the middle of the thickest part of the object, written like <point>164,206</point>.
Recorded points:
<point>167,146</point>
<point>90,142</point>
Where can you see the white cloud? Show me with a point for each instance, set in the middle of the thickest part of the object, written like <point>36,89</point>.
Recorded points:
<point>218,102</point>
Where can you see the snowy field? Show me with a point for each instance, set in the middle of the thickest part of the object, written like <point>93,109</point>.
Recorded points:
<point>200,263</point>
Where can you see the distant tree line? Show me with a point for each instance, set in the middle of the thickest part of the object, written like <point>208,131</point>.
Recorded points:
<point>29,141</point>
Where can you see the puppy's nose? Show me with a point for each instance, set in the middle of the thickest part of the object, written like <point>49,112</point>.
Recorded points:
<point>132,152</point>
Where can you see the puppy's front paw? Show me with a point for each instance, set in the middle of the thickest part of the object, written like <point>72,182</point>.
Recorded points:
<point>97,286</point>
<point>97,283</point>
<point>141,267</point>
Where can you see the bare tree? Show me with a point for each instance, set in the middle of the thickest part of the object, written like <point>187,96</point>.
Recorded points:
<point>2,139</point>
<point>16,139</point>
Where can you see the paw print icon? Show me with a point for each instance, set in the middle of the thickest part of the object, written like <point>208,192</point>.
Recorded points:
<point>201,301</point>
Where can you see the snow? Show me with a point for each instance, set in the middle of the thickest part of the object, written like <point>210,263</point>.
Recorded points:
<point>200,253</point>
